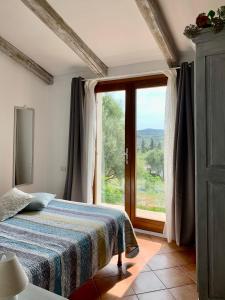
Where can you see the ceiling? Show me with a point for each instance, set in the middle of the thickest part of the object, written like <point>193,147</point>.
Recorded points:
<point>180,13</point>
<point>113,29</point>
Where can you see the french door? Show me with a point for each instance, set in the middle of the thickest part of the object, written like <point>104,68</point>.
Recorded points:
<point>129,153</point>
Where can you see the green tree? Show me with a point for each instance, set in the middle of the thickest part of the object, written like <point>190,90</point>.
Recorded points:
<point>113,133</point>
<point>152,144</point>
<point>140,165</point>
<point>143,146</point>
<point>154,160</point>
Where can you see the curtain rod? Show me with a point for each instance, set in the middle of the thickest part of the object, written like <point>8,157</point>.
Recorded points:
<point>126,76</point>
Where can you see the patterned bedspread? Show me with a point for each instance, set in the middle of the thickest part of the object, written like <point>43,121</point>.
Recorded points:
<point>66,243</point>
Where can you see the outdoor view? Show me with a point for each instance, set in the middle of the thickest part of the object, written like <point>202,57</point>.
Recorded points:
<point>150,114</point>
<point>112,147</point>
<point>150,106</point>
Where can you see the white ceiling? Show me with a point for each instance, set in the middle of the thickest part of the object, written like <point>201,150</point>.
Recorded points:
<point>24,30</point>
<point>180,13</point>
<point>113,29</point>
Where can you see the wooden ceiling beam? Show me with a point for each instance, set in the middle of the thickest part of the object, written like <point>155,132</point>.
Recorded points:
<point>154,18</point>
<point>25,61</point>
<point>44,11</point>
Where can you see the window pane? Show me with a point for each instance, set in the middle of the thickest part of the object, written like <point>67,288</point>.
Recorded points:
<point>150,111</point>
<point>111,143</point>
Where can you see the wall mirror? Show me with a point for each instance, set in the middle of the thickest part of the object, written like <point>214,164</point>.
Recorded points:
<point>23,146</point>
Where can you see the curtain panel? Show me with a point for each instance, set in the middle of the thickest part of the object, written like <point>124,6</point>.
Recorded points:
<point>73,186</point>
<point>184,159</point>
<point>170,122</point>
<point>89,140</point>
<point>82,139</point>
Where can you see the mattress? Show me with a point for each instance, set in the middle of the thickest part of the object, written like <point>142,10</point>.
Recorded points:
<point>66,243</point>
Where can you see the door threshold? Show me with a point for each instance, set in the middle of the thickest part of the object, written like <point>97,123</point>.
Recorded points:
<point>161,235</point>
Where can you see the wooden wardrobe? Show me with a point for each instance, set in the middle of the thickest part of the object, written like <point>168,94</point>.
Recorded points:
<point>210,163</point>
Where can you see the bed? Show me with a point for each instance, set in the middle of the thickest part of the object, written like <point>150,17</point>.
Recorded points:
<point>66,243</point>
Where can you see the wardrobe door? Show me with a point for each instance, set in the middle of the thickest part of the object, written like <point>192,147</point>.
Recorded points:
<point>210,165</point>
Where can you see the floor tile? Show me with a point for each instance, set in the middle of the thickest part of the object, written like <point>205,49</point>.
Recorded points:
<point>168,248</point>
<point>148,248</point>
<point>167,260</point>
<point>147,282</point>
<point>172,247</point>
<point>137,275</point>
<point>163,246</point>
<point>190,270</point>
<point>158,295</point>
<point>173,277</point>
<point>112,270</point>
<point>113,288</point>
<point>187,292</point>
<point>188,256</point>
<point>146,268</point>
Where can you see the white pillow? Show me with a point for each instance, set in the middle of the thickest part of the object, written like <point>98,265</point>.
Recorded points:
<point>12,202</point>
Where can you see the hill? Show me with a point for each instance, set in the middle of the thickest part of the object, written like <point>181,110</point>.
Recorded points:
<point>148,134</point>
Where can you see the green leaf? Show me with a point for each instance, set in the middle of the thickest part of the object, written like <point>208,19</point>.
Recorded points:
<point>211,14</point>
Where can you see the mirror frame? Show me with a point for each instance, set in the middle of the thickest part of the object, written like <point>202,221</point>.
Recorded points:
<point>14,146</point>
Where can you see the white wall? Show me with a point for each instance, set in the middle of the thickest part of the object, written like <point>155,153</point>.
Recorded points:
<point>19,87</point>
<point>59,115</point>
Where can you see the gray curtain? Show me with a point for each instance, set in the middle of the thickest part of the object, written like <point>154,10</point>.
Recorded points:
<point>184,160</point>
<point>73,186</point>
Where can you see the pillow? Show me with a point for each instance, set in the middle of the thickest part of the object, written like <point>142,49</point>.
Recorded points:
<point>39,201</point>
<point>12,202</point>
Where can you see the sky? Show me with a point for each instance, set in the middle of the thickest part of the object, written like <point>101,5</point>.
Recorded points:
<point>150,106</point>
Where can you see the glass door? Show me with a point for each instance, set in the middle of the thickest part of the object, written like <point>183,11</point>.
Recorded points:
<point>110,149</point>
<point>130,149</point>
<point>149,198</point>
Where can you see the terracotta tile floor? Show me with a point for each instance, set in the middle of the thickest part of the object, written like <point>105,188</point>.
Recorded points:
<point>161,271</point>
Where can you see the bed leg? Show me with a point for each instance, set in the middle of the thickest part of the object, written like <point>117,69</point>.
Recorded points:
<point>119,262</point>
